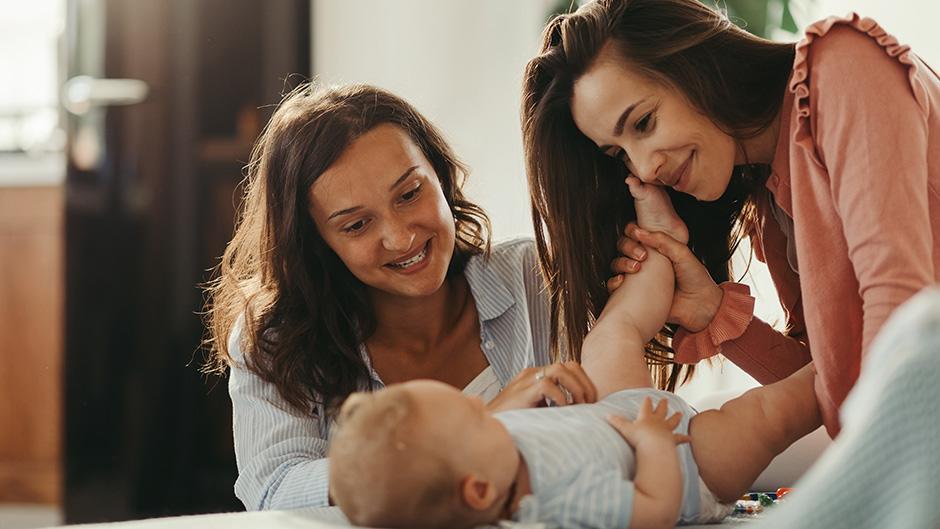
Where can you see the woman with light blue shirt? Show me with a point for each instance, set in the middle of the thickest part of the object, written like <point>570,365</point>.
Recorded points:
<point>357,262</point>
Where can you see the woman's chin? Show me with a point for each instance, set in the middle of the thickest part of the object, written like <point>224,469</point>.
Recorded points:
<point>707,195</point>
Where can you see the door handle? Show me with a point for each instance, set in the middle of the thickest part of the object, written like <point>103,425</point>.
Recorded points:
<point>82,93</point>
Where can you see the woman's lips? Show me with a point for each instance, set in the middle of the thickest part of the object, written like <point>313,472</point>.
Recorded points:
<point>679,178</point>
<point>413,261</point>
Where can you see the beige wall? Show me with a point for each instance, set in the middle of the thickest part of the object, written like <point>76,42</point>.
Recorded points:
<point>460,63</point>
<point>913,22</point>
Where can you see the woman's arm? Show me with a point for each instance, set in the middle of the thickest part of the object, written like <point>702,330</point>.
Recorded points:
<point>762,351</point>
<point>870,117</point>
<point>280,453</point>
<point>718,318</point>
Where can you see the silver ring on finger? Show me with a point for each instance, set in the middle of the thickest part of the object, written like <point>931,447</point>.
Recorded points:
<point>539,375</point>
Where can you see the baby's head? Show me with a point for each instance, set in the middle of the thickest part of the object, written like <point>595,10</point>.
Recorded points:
<point>420,454</point>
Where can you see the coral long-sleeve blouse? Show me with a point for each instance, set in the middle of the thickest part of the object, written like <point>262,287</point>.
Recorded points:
<point>851,225</point>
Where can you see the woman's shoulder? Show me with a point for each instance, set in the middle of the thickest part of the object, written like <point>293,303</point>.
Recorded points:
<point>849,66</point>
<point>510,267</point>
<point>506,253</point>
<point>513,257</point>
<point>849,51</point>
<point>514,249</point>
<point>236,341</point>
<point>844,33</point>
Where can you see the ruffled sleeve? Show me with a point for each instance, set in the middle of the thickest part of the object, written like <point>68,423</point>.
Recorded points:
<point>732,319</point>
<point>799,84</point>
<point>802,130</point>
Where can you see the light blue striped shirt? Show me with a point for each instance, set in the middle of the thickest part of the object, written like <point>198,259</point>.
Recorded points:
<point>581,470</point>
<point>281,453</point>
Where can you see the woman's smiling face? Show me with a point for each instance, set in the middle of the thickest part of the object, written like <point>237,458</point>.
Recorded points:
<point>380,207</point>
<point>653,128</point>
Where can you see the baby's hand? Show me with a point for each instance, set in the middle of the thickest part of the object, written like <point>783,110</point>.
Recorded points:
<point>654,211</point>
<point>651,425</point>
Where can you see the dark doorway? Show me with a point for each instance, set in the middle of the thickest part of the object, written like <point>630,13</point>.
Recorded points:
<point>154,159</point>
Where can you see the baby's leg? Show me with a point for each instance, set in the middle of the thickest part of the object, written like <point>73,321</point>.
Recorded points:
<point>734,444</point>
<point>613,352</point>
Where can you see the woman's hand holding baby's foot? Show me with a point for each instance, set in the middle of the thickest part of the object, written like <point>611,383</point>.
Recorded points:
<point>654,211</point>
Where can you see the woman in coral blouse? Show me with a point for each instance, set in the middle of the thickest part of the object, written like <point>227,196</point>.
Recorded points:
<point>826,153</point>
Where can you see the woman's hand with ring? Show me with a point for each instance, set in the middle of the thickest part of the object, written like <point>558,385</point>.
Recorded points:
<point>533,385</point>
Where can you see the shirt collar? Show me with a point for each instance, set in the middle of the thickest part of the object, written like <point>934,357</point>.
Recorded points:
<point>490,293</point>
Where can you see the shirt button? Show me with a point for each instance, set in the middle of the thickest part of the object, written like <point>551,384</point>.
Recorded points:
<point>489,344</point>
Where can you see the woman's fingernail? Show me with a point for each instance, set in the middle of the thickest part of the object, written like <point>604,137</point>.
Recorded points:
<point>639,253</point>
<point>641,231</point>
<point>632,265</point>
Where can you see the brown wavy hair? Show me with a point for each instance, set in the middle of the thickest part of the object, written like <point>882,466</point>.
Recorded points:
<point>579,201</point>
<point>304,313</point>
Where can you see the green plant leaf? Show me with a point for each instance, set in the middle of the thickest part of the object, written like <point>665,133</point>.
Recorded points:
<point>787,22</point>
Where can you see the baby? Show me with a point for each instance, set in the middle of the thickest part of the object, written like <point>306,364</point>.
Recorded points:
<point>423,454</point>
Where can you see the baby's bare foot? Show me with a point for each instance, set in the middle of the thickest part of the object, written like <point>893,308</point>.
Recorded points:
<point>654,211</point>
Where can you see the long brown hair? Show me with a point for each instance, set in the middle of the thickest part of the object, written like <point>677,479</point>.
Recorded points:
<point>304,314</point>
<point>579,201</point>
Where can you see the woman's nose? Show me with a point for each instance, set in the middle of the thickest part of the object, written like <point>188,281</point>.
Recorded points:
<point>647,166</point>
<point>398,236</point>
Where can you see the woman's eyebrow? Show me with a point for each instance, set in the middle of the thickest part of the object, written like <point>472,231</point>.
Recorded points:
<point>354,209</point>
<point>618,127</point>
<point>346,211</point>
<point>402,177</point>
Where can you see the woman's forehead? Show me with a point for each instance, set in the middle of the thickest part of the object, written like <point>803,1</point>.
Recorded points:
<point>374,160</point>
<point>604,92</point>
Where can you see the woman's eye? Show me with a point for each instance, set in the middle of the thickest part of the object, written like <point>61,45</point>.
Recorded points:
<point>644,122</point>
<point>355,227</point>
<point>621,155</point>
<point>410,195</point>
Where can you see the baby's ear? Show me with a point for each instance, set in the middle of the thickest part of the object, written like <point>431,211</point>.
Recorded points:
<point>479,494</point>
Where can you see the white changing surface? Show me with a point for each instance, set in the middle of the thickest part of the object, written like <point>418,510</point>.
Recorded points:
<point>322,518</point>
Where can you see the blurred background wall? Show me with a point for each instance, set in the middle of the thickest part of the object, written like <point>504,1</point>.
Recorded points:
<point>460,63</point>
